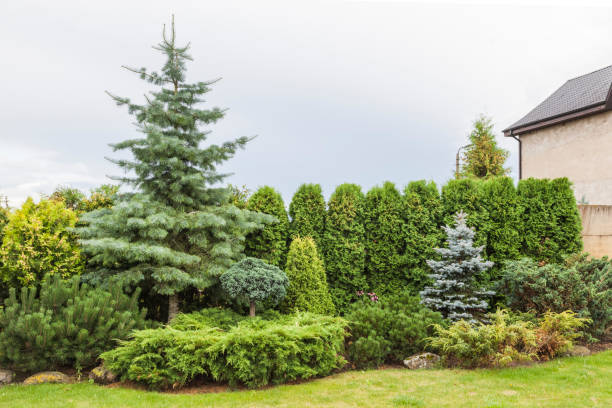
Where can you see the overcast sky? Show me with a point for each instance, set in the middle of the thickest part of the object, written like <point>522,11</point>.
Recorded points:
<point>336,91</point>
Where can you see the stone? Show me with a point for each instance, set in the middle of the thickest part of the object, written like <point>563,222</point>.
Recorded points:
<point>47,377</point>
<point>579,351</point>
<point>102,375</point>
<point>423,360</point>
<point>6,377</point>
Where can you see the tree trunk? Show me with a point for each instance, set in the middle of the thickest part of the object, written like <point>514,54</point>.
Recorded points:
<point>252,309</point>
<point>173,306</point>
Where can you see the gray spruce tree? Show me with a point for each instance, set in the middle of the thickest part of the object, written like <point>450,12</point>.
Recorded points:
<point>454,292</point>
<point>178,229</point>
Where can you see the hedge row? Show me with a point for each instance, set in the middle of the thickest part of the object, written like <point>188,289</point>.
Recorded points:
<point>380,240</point>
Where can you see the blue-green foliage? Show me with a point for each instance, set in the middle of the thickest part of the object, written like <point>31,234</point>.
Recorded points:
<point>254,352</point>
<point>253,280</point>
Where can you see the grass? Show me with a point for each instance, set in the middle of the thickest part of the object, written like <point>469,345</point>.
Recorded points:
<point>568,382</point>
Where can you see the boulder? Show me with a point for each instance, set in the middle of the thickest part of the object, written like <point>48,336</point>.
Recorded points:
<point>102,375</point>
<point>579,351</point>
<point>47,377</point>
<point>6,377</point>
<point>422,360</point>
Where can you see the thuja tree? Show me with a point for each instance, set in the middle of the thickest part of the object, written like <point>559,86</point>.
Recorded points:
<point>343,244</point>
<point>307,213</point>
<point>549,219</point>
<point>308,290</point>
<point>383,238</point>
<point>465,195</point>
<point>454,291</point>
<point>269,244</point>
<point>483,158</point>
<point>421,233</point>
<point>178,230</point>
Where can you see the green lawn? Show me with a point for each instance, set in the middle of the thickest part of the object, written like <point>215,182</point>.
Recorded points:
<point>568,382</point>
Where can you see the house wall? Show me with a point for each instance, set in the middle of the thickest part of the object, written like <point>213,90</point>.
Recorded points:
<point>580,150</point>
<point>597,229</point>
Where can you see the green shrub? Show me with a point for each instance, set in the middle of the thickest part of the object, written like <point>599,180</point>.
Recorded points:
<point>253,352</point>
<point>37,241</point>
<point>422,212</point>
<point>550,222</point>
<point>253,280</point>
<point>308,291</point>
<point>307,213</point>
<point>67,324</point>
<point>269,244</point>
<point>383,239</point>
<point>466,195</point>
<point>74,199</point>
<point>505,341</point>
<point>582,285</point>
<point>344,250</point>
<point>389,329</point>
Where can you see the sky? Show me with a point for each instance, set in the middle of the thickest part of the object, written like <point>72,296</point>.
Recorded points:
<point>334,91</point>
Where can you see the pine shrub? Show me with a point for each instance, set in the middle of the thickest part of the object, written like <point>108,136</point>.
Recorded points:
<point>254,352</point>
<point>308,290</point>
<point>65,324</point>
<point>388,330</point>
<point>383,239</point>
<point>37,241</point>
<point>343,244</point>
<point>307,213</point>
<point>269,244</point>
<point>422,218</point>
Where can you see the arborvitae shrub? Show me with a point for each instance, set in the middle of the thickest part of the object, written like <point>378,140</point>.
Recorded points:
<point>308,290</point>
<point>343,244</point>
<point>383,239</point>
<point>37,241</point>
<point>307,213</point>
<point>66,325</point>
<point>253,352</point>
<point>422,213</point>
<point>388,330</point>
<point>583,286</point>
<point>500,198</point>
<point>269,244</point>
<point>252,280</point>
<point>465,195</point>
<point>550,222</point>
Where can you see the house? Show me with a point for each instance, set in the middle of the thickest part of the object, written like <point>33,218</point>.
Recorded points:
<point>569,135</point>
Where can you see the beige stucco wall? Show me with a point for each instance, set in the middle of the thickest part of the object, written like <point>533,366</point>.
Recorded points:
<point>580,150</point>
<point>597,229</point>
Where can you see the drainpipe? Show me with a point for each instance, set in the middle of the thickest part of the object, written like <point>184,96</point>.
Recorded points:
<point>518,139</point>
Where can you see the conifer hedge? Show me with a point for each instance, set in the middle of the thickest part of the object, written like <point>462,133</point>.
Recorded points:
<point>343,244</point>
<point>269,244</point>
<point>383,239</point>
<point>465,195</point>
<point>307,213</point>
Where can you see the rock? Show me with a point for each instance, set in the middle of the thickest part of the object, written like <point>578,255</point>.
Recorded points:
<point>579,351</point>
<point>6,377</point>
<point>47,377</point>
<point>102,375</point>
<point>423,360</point>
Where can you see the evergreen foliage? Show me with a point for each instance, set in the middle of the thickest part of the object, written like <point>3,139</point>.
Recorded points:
<point>499,197</point>
<point>255,281</point>
<point>388,330</point>
<point>307,213</point>
<point>466,195</point>
<point>344,247</point>
<point>269,244</point>
<point>178,230</point>
<point>422,218</point>
<point>239,196</point>
<point>308,290</point>
<point>4,218</point>
<point>454,292</point>
<point>37,241</point>
<point>550,220</point>
<point>484,159</point>
<point>67,325</point>
<point>383,239</point>
<point>253,352</point>
<point>100,197</point>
